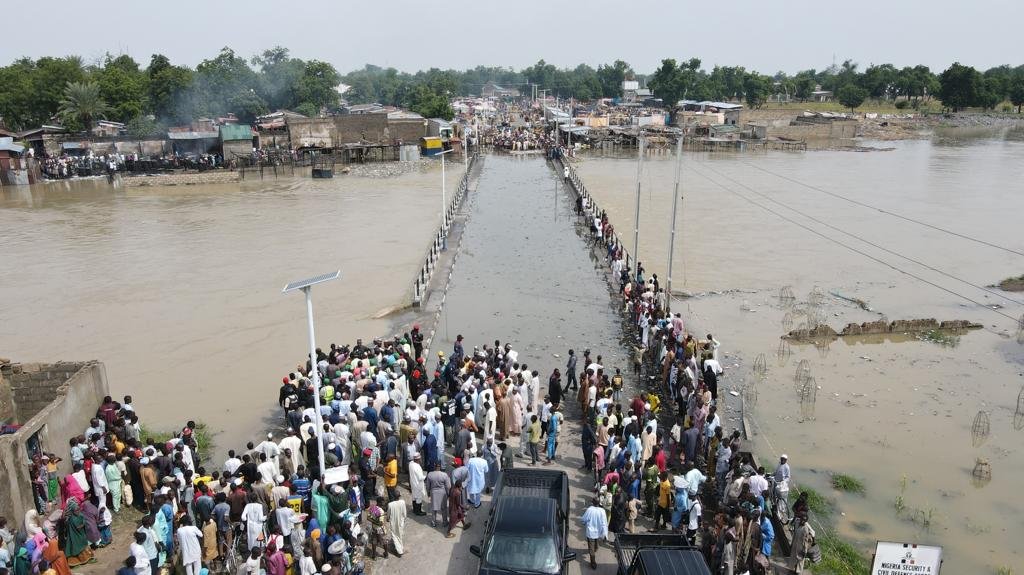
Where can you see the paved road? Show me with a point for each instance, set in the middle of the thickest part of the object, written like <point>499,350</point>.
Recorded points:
<point>525,277</point>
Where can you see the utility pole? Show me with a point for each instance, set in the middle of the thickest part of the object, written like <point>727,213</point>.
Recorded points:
<point>636,220</point>
<point>672,235</point>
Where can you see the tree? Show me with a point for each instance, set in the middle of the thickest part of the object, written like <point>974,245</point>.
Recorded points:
<point>611,77</point>
<point>430,104</point>
<point>851,96</point>
<point>167,88</point>
<point>804,83</point>
<point>1017,91</point>
<point>123,86</point>
<point>226,84</point>
<point>879,81</point>
<point>757,88</point>
<point>960,87</point>
<point>82,104</point>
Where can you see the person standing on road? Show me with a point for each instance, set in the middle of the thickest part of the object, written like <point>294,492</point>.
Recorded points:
<point>456,510</point>
<point>596,523</point>
<point>477,478</point>
<point>553,427</point>
<point>438,484</point>
<point>570,373</point>
<point>417,485</point>
<point>534,436</point>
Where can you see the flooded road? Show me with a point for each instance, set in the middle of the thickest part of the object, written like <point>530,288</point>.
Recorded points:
<point>525,276</point>
<point>178,289</point>
<point>884,408</point>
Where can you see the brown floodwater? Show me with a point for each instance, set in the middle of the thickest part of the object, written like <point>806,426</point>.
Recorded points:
<point>178,289</point>
<point>884,408</point>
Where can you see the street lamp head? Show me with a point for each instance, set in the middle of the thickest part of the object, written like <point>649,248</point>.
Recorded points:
<point>311,281</point>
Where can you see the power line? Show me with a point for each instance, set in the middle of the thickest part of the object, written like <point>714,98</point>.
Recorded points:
<point>887,212</point>
<point>855,250</point>
<point>869,242</point>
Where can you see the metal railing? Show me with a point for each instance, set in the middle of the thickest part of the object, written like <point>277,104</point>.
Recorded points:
<point>439,243</point>
<point>581,190</point>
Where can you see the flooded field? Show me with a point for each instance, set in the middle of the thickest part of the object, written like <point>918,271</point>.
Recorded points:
<point>883,408</point>
<point>178,289</point>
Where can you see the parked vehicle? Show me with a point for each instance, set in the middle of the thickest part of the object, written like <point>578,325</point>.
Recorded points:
<point>528,525</point>
<point>658,554</point>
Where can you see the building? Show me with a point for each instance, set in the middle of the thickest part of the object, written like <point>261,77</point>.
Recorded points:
<point>108,129</point>
<point>492,90</point>
<point>441,128</point>
<point>707,112</point>
<point>819,95</point>
<point>42,406</point>
<point>237,141</point>
<point>13,171</point>
<point>44,140</point>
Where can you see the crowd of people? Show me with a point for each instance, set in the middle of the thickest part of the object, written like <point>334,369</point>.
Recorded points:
<point>695,470</point>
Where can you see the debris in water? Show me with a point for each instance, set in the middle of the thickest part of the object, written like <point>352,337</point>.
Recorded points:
<point>734,393</point>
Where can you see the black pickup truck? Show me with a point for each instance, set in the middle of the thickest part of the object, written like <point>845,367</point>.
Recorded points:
<point>658,554</point>
<point>528,524</point>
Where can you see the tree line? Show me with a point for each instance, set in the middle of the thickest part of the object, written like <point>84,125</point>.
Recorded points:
<point>147,99</point>
<point>67,90</point>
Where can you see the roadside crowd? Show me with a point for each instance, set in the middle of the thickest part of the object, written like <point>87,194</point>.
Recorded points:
<point>693,478</point>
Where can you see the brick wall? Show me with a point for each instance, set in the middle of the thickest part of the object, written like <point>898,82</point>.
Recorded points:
<point>406,130</point>
<point>212,177</point>
<point>33,385</point>
<point>353,128</point>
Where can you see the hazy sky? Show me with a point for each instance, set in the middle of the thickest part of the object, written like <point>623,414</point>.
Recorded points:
<point>787,35</point>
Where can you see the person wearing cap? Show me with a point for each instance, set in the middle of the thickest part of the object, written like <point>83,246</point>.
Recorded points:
<point>438,484</point>
<point>417,485</point>
<point>478,468</point>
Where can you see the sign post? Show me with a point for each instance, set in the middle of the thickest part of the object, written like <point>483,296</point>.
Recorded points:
<point>906,559</point>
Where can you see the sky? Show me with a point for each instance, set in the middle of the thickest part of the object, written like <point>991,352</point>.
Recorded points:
<point>787,35</point>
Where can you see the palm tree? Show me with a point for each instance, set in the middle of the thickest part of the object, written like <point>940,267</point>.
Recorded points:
<point>82,102</point>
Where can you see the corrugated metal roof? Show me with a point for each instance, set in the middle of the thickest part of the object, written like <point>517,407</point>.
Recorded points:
<point>192,135</point>
<point>8,145</point>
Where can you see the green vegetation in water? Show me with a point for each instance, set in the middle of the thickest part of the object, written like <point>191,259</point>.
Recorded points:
<point>1004,570</point>
<point>203,436</point>
<point>819,504</point>
<point>943,338</point>
<point>840,558</point>
<point>1012,284</point>
<point>900,503</point>
<point>848,483</point>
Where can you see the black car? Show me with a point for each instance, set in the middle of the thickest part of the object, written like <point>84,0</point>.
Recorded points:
<point>528,525</point>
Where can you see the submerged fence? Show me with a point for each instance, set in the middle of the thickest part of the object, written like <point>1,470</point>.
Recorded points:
<point>439,243</point>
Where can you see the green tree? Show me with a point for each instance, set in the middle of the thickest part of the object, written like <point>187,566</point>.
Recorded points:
<point>123,86</point>
<point>226,84</point>
<point>145,126</point>
<point>804,83</point>
<point>757,88</point>
<point>168,87</point>
<point>880,81</point>
<point>429,104</point>
<point>851,96</point>
<point>960,87</point>
<point>318,85</point>
<point>82,104</point>
<point>611,77</point>
<point>1017,91</point>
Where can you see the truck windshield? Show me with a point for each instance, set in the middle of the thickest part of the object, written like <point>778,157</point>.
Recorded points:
<point>516,552</point>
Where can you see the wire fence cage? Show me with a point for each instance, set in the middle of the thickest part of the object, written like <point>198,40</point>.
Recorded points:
<point>808,398</point>
<point>749,393</point>
<point>1020,329</point>
<point>803,373</point>
<point>1018,416</point>
<point>784,352</point>
<point>980,429</point>
<point>788,319</point>
<point>982,472</point>
<point>761,366</point>
<point>816,297</point>
<point>823,345</point>
<point>786,297</point>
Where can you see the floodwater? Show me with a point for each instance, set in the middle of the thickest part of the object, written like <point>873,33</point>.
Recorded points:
<point>178,289</point>
<point>885,408</point>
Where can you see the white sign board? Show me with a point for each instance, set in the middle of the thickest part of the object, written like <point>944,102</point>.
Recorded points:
<point>906,559</point>
<point>336,475</point>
